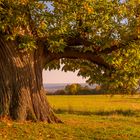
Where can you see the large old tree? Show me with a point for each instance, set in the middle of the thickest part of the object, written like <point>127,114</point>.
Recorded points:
<point>102,37</point>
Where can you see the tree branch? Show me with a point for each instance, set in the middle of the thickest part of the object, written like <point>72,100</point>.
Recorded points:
<point>77,40</point>
<point>72,53</point>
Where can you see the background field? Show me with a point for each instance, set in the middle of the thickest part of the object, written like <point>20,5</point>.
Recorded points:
<point>98,117</point>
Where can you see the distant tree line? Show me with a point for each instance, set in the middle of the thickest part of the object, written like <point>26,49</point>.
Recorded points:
<point>77,89</point>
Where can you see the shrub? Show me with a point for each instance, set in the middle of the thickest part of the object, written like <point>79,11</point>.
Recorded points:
<point>72,89</point>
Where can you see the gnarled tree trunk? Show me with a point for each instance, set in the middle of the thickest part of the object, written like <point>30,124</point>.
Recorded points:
<point>22,95</point>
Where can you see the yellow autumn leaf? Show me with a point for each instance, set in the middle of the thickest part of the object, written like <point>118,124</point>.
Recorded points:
<point>88,8</point>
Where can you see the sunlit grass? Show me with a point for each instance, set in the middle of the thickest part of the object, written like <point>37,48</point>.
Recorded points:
<point>85,118</point>
<point>96,103</point>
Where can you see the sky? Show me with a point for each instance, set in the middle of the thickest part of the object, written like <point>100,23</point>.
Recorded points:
<point>58,76</point>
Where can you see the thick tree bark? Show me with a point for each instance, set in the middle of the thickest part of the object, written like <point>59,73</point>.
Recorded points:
<point>22,95</point>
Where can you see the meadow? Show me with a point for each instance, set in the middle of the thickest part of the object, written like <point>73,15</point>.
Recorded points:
<point>89,117</point>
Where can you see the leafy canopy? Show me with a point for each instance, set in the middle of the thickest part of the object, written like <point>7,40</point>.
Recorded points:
<point>107,28</point>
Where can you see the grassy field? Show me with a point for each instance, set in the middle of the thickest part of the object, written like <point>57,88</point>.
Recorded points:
<point>85,118</point>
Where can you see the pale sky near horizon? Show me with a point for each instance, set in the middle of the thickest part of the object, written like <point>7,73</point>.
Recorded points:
<point>58,76</point>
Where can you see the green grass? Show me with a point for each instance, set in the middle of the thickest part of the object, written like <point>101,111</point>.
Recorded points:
<point>95,104</point>
<point>85,118</point>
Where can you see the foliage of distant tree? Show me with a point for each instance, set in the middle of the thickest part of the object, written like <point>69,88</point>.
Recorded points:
<point>77,89</point>
<point>72,89</point>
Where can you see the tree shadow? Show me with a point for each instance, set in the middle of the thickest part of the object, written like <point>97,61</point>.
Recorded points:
<point>127,112</point>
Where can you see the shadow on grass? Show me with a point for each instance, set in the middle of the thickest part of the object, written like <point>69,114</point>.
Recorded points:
<point>101,112</point>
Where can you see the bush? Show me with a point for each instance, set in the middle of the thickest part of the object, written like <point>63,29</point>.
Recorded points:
<point>72,89</point>
<point>59,92</point>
